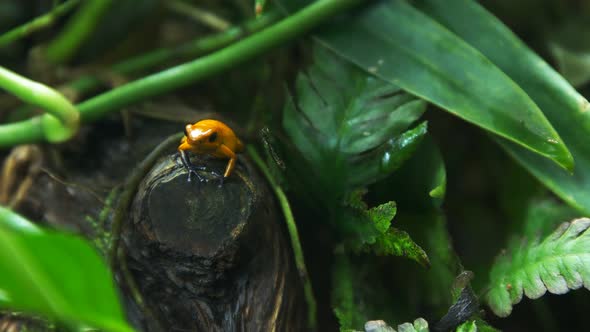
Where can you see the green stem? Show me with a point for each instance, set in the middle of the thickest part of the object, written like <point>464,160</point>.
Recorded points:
<point>37,24</point>
<point>59,123</point>
<point>23,132</point>
<point>194,71</point>
<point>89,84</point>
<point>294,235</point>
<point>199,69</point>
<point>77,30</point>
<point>191,49</point>
<point>209,19</point>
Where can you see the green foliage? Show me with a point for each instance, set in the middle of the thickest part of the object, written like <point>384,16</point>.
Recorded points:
<point>476,325</point>
<point>354,305</point>
<point>469,326</point>
<point>557,264</point>
<point>351,130</point>
<point>381,239</point>
<point>436,283</point>
<point>56,275</point>
<point>343,294</point>
<point>102,235</point>
<point>543,216</point>
<point>395,242</point>
<point>344,123</point>
<point>420,182</point>
<point>419,325</point>
<point>565,108</point>
<point>400,44</point>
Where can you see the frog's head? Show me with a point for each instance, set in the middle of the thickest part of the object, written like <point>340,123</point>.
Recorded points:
<point>201,137</point>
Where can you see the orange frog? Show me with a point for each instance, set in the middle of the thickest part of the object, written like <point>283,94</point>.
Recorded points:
<point>213,138</point>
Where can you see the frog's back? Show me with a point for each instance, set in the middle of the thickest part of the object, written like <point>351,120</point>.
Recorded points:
<point>229,137</point>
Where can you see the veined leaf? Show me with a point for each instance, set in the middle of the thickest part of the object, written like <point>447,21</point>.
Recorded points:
<point>349,125</point>
<point>396,42</point>
<point>559,263</point>
<point>565,108</point>
<point>55,275</point>
<point>395,242</point>
<point>381,239</point>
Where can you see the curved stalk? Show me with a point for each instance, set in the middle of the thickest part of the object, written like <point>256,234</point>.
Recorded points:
<point>207,66</point>
<point>61,121</point>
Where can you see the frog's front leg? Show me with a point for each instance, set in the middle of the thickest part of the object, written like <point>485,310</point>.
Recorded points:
<point>192,169</point>
<point>232,159</point>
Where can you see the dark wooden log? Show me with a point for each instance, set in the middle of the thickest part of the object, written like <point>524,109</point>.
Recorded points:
<point>228,267</point>
<point>212,258</point>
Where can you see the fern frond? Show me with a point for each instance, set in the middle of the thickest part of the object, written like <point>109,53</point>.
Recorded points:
<point>420,325</point>
<point>557,264</point>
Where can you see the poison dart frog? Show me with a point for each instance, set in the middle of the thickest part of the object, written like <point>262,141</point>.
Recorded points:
<point>213,138</point>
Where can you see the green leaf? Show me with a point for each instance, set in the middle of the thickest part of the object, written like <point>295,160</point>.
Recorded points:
<point>382,239</point>
<point>543,215</point>
<point>559,263</point>
<point>469,326</point>
<point>378,326</point>
<point>395,242</point>
<point>354,303</point>
<point>574,66</point>
<point>343,294</point>
<point>420,325</point>
<point>55,275</point>
<point>433,286</point>
<point>566,109</point>
<point>476,325</point>
<point>344,122</point>
<point>570,50</point>
<point>382,215</point>
<point>398,43</point>
<point>420,183</point>
<point>379,163</point>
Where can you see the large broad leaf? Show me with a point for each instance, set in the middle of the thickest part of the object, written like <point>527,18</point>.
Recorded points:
<point>348,125</point>
<point>55,275</point>
<point>567,110</point>
<point>396,42</point>
<point>557,264</point>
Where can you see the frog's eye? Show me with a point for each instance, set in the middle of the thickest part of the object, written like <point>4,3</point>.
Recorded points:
<point>186,130</point>
<point>213,137</point>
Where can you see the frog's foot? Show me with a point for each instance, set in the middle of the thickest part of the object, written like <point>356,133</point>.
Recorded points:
<point>219,177</point>
<point>192,169</point>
